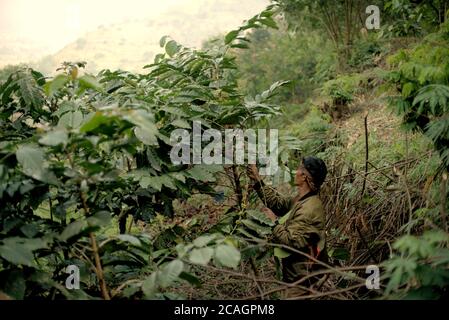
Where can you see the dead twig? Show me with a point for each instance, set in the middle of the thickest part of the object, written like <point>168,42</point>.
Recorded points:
<point>366,155</point>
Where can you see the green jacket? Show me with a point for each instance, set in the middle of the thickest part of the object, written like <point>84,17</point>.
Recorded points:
<point>303,228</point>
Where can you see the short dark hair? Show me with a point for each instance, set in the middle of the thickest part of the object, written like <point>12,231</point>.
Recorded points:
<point>317,169</point>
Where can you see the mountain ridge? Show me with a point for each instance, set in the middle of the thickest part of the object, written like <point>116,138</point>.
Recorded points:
<point>131,44</point>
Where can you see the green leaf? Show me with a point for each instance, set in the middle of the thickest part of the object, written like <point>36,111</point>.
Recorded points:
<point>240,46</point>
<point>231,36</point>
<point>260,229</point>
<point>201,256</point>
<point>204,240</point>
<point>204,172</point>
<point>156,182</point>
<point>90,82</point>
<point>31,157</point>
<point>227,255</point>
<point>94,122</point>
<point>54,138</point>
<point>436,236</point>
<point>182,249</point>
<point>72,230</point>
<point>147,135</point>
<point>20,250</point>
<point>190,278</point>
<point>281,253</point>
<point>149,285</point>
<point>163,40</point>
<point>269,22</point>
<point>181,124</point>
<point>17,254</point>
<point>149,181</point>
<point>407,89</point>
<point>170,272</point>
<point>339,253</point>
<point>71,119</point>
<point>260,217</point>
<point>101,218</point>
<point>171,48</point>
<point>129,238</point>
<point>56,84</point>
<point>30,91</point>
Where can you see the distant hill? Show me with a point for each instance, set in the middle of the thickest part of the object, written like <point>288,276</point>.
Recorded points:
<point>132,44</point>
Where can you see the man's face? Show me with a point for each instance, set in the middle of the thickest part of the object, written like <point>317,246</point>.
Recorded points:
<point>300,177</point>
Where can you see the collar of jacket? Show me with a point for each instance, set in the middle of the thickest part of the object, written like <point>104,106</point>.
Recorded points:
<point>307,195</point>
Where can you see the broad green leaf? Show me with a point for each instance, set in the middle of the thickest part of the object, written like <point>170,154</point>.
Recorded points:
<point>71,119</point>
<point>94,122</point>
<point>181,124</point>
<point>280,253</point>
<point>163,40</point>
<point>101,218</point>
<point>171,48</point>
<point>201,256</point>
<point>407,89</point>
<point>156,182</point>
<point>30,91</point>
<point>436,236</point>
<point>269,22</point>
<point>56,84</point>
<point>146,135</point>
<point>170,272</point>
<point>339,253</point>
<point>260,217</point>
<point>231,36</point>
<point>129,238</point>
<point>149,181</point>
<point>72,230</point>
<point>54,138</point>
<point>204,240</point>
<point>20,250</point>
<point>190,278</point>
<point>204,172</point>
<point>178,176</point>
<point>240,45</point>
<point>227,255</point>
<point>260,229</point>
<point>182,249</point>
<point>149,285</point>
<point>17,254</point>
<point>90,82</point>
<point>31,157</point>
<point>246,233</point>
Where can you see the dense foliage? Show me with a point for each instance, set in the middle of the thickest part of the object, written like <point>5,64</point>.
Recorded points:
<point>86,177</point>
<point>77,150</point>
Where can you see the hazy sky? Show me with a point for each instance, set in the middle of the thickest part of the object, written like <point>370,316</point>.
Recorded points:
<point>33,29</point>
<point>55,23</point>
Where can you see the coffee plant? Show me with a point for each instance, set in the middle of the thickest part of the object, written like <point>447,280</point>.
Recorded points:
<point>78,150</point>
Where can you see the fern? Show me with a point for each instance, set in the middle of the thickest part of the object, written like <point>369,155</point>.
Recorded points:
<point>29,90</point>
<point>436,95</point>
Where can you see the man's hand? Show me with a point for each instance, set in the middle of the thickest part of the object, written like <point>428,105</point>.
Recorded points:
<point>253,172</point>
<point>270,214</point>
